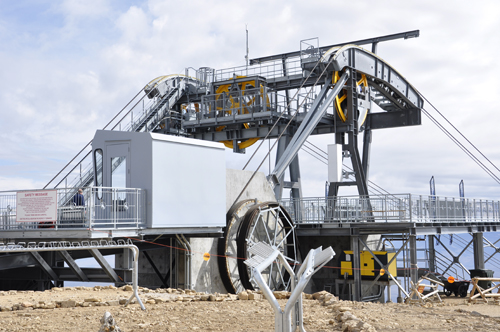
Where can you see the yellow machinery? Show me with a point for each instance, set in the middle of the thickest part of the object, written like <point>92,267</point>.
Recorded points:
<point>370,268</point>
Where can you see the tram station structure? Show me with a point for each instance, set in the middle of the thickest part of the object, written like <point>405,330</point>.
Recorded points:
<point>156,175</point>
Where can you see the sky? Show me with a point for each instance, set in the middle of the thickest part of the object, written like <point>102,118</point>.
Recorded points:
<point>68,66</point>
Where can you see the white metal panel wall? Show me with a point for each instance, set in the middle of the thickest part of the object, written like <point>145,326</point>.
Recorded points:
<point>189,183</point>
<point>335,163</point>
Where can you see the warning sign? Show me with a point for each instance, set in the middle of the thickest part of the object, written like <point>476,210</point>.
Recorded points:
<point>36,206</point>
<point>206,256</point>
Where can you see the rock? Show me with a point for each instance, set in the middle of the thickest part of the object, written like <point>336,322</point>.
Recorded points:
<point>205,297</point>
<point>232,297</point>
<point>243,295</point>
<point>345,316</point>
<point>57,289</point>
<point>128,288</point>
<point>5,308</point>
<point>150,301</point>
<point>49,305</point>
<point>68,304</point>
<point>320,295</point>
<point>113,303</point>
<point>344,309</point>
<point>351,326</point>
<point>27,304</point>
<point>93,299</point>
<point>281,295</point>
<point>108,323</point>
<point>254,296</point>
<point>123,301</point>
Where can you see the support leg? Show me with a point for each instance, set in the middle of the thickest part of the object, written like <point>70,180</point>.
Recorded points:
<point>356,268</point>
<point>413,260</point>
<point>478,251</point>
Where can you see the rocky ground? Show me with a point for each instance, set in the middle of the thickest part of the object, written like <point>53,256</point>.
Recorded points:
<point>81,309</point>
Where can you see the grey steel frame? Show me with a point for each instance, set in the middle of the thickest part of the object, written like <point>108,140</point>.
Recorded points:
<point>93,246</point>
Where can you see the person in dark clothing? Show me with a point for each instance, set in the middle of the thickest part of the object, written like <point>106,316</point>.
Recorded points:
<point>78,199</point>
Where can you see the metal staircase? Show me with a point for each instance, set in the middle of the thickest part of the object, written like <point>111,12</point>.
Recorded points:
<point>148,119</point>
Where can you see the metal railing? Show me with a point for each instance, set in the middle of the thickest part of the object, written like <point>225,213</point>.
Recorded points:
<point>105,208</point>
<point>270,69</point>
<point>393,208</point>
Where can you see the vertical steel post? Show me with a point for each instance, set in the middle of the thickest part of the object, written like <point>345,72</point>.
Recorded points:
<point>413,260</point>
<point>356,265</point>
<point>432,253</point>
<point>478,250</point>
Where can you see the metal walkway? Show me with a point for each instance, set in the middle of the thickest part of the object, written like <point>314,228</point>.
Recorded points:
<point>394,213</point>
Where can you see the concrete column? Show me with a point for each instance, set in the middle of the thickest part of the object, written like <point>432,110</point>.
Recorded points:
<point>478,251</point>
<point>413,259</point>
<point>356,268</point>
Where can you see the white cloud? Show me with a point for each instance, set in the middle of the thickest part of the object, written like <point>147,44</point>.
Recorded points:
<point>64,79</point>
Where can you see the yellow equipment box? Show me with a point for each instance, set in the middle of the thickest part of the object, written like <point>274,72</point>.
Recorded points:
<point>370,268</point>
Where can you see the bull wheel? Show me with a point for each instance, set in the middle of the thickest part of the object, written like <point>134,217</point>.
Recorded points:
<point>270,223</point>
<point>226,247</point>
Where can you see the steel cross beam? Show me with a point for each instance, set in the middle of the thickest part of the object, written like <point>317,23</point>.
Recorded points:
<point>497,250</point>
<point>385,267</point>
<point>456,259</point>
<point>44,265</point>
<point>73,265</point>
<point>375,40</point>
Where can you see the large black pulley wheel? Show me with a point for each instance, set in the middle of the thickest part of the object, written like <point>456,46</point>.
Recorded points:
<point>270,223</point>
<point>226,247</point>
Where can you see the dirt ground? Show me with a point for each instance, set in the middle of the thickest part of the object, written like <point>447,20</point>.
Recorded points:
<point>81,308</point>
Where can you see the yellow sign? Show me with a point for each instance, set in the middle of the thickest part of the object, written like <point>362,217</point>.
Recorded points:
<point>206,256</point>
<point>451,279</point>
<point>382,272</point>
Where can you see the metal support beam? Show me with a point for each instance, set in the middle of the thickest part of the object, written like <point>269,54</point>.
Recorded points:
<point>105,265</point>
<point>73,265</point>
<point>318,109</point>
<point>405,35</point>
<point>432,253</point>
<point>356,267</point>
<point>352,107</point>
<point>413,259</point>
<point>478,251</point>
<point>158,273</point>
<point>44,265</point>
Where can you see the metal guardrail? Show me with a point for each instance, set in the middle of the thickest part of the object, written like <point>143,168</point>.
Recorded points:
<point>392,208</point>
<point>271,69</point>
<point>105,208</point>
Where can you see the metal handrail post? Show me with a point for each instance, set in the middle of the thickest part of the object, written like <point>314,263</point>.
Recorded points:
<point>410,207</point>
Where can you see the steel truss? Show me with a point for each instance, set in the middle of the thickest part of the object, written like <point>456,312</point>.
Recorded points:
<point>64,247</point>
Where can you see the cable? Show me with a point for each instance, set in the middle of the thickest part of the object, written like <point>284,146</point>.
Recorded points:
<point>461,146</point>
<point>459,132</point>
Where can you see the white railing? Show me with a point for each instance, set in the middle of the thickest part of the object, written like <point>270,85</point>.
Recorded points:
<point>393,208</point>
<point>104,209</point>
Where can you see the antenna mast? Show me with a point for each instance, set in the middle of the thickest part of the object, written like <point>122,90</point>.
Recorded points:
<point>246,56</point>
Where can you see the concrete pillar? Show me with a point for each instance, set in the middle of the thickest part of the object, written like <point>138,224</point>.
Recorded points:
<point>413,259</point>
<point>356,268</point>
<point>478,251</point>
